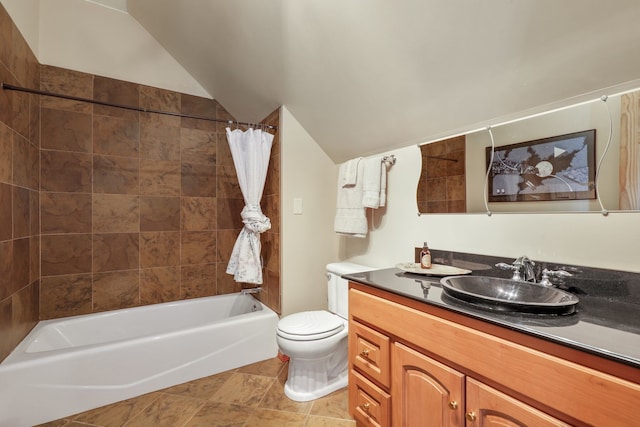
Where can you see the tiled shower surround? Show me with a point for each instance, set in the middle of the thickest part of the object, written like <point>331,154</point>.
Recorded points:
<point>134,208</point>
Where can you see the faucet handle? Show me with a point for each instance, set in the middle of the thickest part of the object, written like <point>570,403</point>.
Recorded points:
<point>505,266</point>
<point>555,273</point>
<point>515,267</point>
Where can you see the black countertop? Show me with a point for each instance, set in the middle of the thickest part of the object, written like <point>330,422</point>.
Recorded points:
<point>606,322</point>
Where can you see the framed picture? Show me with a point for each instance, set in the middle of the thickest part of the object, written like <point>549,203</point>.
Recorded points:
<point>560,167</point>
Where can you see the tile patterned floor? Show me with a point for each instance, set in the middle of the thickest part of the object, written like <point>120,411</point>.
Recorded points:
<point>250,396</point>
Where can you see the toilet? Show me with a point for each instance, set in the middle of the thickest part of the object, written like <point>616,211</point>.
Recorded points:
<point>316,341</point>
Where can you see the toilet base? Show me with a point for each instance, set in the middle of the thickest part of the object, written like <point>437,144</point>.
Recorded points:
<point>302,396</point>
<point>310,379</point>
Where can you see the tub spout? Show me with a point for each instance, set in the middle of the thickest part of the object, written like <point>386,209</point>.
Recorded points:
<point>247,291</point>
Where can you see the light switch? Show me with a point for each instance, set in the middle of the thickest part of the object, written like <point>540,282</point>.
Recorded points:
<point>297,206</point>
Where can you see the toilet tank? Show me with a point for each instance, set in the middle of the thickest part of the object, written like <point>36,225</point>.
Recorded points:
<point>338,288</point>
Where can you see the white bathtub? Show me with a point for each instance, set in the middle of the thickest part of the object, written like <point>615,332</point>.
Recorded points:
<point>65,366</point>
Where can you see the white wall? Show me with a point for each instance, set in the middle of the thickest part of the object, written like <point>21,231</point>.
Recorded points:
<point>589,239</point>
<point>95,39</point>
<point>308,242</point>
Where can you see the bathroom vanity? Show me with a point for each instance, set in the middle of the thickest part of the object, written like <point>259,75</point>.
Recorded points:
<point>418,357</point>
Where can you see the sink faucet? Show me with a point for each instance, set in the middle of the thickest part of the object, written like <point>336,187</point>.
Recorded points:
<point>522,267</point>
<point>527,265</point>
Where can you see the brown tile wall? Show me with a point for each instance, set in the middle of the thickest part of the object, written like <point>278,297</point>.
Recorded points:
<point>136,208</point>
<point>442,186</point>
<point>19,140</point>
<point>104,208</point>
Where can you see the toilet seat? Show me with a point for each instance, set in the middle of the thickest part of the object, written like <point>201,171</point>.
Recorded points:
<point>310,325</point>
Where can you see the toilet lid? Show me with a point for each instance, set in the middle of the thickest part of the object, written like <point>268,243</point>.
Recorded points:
<point>310,325</point>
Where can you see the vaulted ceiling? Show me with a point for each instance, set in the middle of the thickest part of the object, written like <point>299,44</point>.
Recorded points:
<point>365,76</point>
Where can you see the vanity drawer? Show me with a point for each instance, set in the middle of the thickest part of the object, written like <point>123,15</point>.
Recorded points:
<point>369,404</point>
<point>370,353</point>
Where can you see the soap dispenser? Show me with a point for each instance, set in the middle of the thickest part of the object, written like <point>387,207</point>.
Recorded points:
<point>425,257</point>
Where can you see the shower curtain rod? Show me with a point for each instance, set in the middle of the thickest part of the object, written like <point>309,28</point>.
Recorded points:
<point>130,107</point>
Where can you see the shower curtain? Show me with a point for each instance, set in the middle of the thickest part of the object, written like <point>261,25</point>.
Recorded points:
<point>250,151</point>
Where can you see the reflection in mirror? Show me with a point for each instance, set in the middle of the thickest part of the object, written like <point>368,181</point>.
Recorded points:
<point>442,185</point>
<point>630,151</point>
<point>453,170</point>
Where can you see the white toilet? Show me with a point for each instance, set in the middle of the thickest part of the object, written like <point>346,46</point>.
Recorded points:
<point>316,341</point>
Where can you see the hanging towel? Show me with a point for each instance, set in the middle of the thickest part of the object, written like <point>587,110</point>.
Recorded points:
<point>350,217</point>
<point>383,184</point>
<point>350,174</point>
<point>374,170</point>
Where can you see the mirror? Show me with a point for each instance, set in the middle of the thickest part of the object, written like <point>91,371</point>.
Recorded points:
<point>453,170</point>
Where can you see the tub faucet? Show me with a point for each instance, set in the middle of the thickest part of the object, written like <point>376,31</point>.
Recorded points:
<point>522,267</point>
<point>247,291</point>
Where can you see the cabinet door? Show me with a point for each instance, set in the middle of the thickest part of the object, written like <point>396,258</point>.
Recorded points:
<point>487,407</point>
<point>425,392</point>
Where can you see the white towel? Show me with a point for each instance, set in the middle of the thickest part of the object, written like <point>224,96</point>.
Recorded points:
<point>383,184</point>
<point>350,217</point>
<point>348,177</point>
<point>374,170</point>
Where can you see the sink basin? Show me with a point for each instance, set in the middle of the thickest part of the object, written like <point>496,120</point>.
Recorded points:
<point>509,295</point>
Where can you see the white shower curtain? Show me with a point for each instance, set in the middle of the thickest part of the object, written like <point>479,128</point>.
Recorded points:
<point>250,151</point>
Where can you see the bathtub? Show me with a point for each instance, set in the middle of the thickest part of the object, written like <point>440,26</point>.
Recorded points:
<point>69,365</point>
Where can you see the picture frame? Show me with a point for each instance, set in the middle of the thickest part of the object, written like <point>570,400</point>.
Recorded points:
<point>560,167</point>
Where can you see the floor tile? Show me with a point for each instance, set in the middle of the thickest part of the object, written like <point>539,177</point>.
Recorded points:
<point>56,423</point>
<point>217,414</point>
<point>315,421</point>
<point>276,399</point>
<point>167,410</point>
<point>271,418</point>
<point>118,413</point>
<point>335,405</point>
<point>243,389</point>
<point>203,388</point>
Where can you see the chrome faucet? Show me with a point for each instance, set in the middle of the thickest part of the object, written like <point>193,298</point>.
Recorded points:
<point>522,267</point>
<point>528,266</point>
<point>247,291</point>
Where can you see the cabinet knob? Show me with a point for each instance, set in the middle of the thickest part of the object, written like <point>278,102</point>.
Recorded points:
<point>453,404</point>
<point>365,406</point>
<point>471,416</point>
<point>365,352</point>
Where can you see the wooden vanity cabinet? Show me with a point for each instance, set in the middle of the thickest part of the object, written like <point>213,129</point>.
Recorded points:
<point>409,367</point>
